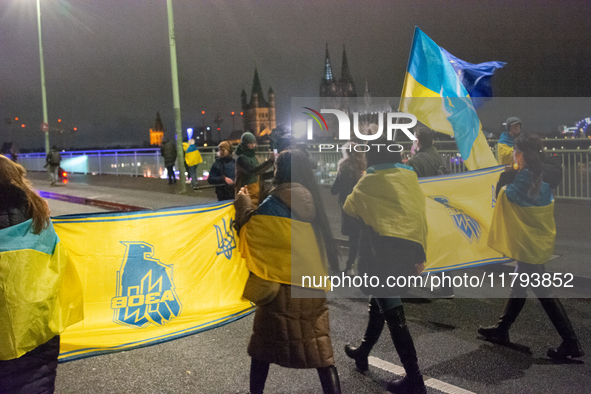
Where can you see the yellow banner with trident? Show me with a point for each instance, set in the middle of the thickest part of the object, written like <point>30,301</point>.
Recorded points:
<point>152,276</point>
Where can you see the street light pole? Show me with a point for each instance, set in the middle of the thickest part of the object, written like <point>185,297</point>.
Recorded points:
<point>175,98</point>
<point>43,93</point>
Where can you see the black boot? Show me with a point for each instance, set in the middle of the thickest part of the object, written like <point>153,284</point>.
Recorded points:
<point>258,375</point>
<point>372,334</point>
<point>413,381</point>
<point>570,346</point>
<point>500,332</point>
<point>329,379</point>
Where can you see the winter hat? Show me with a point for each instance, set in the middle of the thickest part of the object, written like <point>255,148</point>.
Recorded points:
<point>512,120</point>
<point>226,145</point>
<point>248,138</point>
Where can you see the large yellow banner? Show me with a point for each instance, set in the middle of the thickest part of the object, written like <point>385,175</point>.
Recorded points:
<point>152,276</point>
<point>459,215</point>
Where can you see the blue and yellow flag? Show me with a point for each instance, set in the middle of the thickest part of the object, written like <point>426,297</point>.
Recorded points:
<point>524,233</point>
<point>434,93</point>
<point>41,293</point>
<point>152,276</point>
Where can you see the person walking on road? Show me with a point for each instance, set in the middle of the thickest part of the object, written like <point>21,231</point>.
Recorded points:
<point>223,172</point>
<point>40,291</point>
<point>288,331</point>
<point>390,202</point>
<point>248,168</point>
<point>523,229</point>
<point>505,144</point>
<point>349,170</point>
<point>53,161</point>
<point>193,159</point>
<point>168,151</point>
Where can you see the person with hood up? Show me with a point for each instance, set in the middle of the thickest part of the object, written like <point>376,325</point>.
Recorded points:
<point>248,168</point>
<point>292,332</point>
<point>40,290</point>
<point>223,172</point>
<point>193,159</point>
<point>391,204</point>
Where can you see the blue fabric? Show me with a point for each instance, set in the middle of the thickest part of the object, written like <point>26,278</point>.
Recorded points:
<point>506,139</point>
<point>386,166</point>
<point>272,206</point>
<point>476,78</point>
<point>20,236</point>
<point>430,67</point>
<point>517,191</point>
<point>191,148</point>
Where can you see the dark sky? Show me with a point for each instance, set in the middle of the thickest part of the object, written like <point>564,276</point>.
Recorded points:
<point>107,62</point>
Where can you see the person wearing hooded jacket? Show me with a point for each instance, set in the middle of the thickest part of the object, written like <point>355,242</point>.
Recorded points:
<point>505,144</point>
<point>248,168</point>
<point>391,204</point>
<point>168,151</point>
<point>223,172</point>
<point>289,331</point>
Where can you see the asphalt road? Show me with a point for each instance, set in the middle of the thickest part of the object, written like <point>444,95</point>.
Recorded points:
<point>444,331</point>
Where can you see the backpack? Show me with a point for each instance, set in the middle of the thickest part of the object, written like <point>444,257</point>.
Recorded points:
<point>54,157</point>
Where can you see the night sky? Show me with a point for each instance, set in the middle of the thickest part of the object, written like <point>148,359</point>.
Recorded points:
<point>107,62</point>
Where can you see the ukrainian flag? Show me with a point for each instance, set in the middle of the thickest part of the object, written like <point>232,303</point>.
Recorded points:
<point>40,292</point>
<point>434,93</point>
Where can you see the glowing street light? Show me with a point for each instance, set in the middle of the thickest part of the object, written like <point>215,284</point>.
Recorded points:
<point>43,93</point>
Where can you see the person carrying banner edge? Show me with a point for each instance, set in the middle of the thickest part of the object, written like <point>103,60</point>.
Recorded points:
<point>394,235</point>
<point>290,331</point>
<point>34,312</point>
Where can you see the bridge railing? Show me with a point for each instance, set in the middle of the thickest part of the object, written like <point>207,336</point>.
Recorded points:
<point>576,183</point>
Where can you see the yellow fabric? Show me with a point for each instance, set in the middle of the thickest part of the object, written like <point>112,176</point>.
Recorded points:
<point>391,202</point>
<point>40,296</point>
<point>187,260</point>
<point>523,233</point>
<point>459,213</point>
<point>292,251</point>
<point>192,158</point>
<point>505,153</point>
<point>428,106</point>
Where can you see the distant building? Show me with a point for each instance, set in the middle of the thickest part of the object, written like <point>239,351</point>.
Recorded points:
<point>259,115</point>
<point>341,94</point>
<point>157,133</point>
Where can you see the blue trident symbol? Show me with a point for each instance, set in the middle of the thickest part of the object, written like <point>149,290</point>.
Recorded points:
<point>226,239</point>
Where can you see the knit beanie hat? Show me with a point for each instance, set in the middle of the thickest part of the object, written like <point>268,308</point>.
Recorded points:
<point>248,138</point>
<point>226,145</point>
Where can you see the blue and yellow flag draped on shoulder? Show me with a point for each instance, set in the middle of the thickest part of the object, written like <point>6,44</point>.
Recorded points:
<point>281,249</point>
<point>41,293</point>
<point>434,93</point>
<point>152,276</point>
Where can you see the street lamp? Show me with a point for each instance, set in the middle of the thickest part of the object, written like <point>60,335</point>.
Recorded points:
<point>43,93</point>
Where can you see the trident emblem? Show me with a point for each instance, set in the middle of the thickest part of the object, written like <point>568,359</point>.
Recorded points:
<point>226,239</point>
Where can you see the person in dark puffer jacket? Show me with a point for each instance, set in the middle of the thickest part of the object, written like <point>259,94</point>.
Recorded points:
<point>35,371</point>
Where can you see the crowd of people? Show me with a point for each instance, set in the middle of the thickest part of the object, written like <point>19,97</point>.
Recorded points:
<point>383,209</point>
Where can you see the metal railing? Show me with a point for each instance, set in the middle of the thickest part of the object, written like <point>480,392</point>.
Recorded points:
<point>149,163</point>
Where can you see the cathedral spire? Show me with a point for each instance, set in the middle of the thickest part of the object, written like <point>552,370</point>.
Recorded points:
<point>258,90</point>
<point>327,68</point>
<point>345,74</point>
